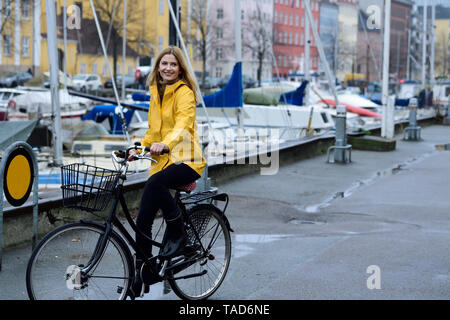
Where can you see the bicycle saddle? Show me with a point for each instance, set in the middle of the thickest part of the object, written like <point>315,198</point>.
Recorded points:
<point>188,187</point>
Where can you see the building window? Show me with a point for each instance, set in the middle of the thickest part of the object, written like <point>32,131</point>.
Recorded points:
<point>25,47</point>
<point>275,18</point>
<point>296,20</point>
<point>105,70</point>
<point>161,6</point>
<point>218,53</point>
<point>296,38</point>
<point>94,68</point>
<point>297,3</point>
<point>26,9</point>
<point>219,14</point>
<point>7,8</point>
<point>83,67</point>
<point>291,19</point>
<point>290,37</point>
<point>281,17</point>
<point>218,72</point>
<point>219,33</point>
<point>130,70</point>
<point>7,45</point>
<point>160,43</point>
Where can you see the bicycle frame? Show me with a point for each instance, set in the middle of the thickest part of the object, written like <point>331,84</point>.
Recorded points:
<point>112,220</point>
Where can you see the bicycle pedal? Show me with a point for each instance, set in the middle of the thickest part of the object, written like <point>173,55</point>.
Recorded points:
<point>163,269</point>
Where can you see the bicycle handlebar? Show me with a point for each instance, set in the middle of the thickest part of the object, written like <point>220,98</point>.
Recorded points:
<point>121,157</point>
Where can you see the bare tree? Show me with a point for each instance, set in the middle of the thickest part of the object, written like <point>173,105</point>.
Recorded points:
<point>111,11</point>
<point>198,22</point>
<point>206,37</point>
<point>257,39</point>
<point>7,15</point>
<point>441,59</point>
<point>7,22</point>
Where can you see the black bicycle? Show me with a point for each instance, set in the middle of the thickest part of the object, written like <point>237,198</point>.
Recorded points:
<point>91,260</point>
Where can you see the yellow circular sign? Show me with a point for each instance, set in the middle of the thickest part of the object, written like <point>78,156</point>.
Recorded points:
<point>18,177</point>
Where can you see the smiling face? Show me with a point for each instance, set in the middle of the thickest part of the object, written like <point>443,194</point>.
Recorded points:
<point>169,68</point>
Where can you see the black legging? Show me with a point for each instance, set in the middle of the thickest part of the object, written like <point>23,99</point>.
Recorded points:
<point>157,196</point>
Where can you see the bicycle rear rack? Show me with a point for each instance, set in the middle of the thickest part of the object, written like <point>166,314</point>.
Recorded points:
<point>204,197</point>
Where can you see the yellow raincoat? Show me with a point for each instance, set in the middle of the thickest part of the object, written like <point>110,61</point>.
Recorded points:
<point>173,122</point>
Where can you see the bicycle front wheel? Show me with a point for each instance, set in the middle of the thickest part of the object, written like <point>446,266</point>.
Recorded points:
<point>54,269</point>
<point>212,264</point>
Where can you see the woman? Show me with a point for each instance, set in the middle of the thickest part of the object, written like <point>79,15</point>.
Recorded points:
<point>174,143</point>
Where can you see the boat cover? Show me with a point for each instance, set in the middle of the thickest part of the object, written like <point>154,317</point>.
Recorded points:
<point>230,96</point>
<point>12,131</point>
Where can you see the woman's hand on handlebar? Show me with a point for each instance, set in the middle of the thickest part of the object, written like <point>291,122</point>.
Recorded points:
<point>131,154</point>
<point>158,148</point>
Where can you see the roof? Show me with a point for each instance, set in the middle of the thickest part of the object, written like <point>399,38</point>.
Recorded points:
<point>88,41</point>
<point>442,12</point>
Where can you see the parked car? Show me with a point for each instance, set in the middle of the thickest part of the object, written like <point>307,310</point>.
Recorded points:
<point>129,82</point>
<point>212,82</point>
<point>87,82</point>
<point>248,82</point>
<point>14,79</point>
<point>61,79</point>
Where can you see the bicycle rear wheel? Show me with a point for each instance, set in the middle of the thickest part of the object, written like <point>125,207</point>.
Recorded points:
<point>53,271</point>
<point>215,238</point>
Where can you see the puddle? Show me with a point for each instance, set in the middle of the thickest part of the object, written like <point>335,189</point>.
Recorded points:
<point>259,238</point>
<point>300,221</point>
<point>314,208</point>
<point>241,242</point>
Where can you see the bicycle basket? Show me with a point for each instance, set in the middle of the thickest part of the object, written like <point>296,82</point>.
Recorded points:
<point>87,187</point>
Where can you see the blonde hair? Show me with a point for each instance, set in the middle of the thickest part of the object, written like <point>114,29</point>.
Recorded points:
<point>154,77</point>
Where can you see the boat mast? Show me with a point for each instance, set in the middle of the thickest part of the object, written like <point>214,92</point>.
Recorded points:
<point>124,47</point>
<point>433,36</point>
<point>183,46</point>
<point>322,56</point>
<point>424,43</point>
<point>238,51</point>
<point>54,83</point>
<point>65,43</point>
<point>119,111</point>
<point>386,46</point>
<point>307,57</point>
<point>386,123</point>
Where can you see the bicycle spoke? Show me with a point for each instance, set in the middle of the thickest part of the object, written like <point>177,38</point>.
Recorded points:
<point>210,231</point>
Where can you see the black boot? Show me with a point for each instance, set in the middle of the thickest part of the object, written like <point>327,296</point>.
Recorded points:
<point>138,287</point>
<point>176,238</point>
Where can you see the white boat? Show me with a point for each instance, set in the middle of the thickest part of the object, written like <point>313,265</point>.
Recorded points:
<point>38,105</point>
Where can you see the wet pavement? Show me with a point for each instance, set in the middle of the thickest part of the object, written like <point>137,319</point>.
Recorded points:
<point>377,228</point>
